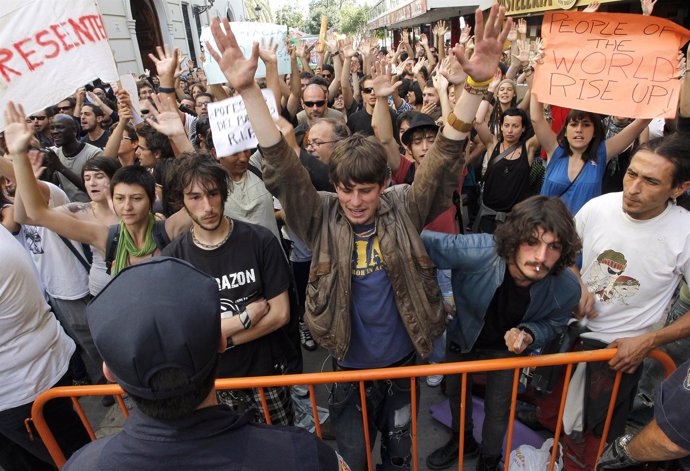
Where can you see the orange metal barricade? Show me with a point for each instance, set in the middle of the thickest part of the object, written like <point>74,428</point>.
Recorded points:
<point>361,376</point>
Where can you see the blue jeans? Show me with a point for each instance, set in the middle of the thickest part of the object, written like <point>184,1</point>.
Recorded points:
<point>389,411</point>
<point>499,388</point>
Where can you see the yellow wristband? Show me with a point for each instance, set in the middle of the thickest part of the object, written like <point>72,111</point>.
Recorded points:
<point>472,83</point>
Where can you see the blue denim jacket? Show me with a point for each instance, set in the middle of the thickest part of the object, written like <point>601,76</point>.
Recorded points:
<point>477,272</point>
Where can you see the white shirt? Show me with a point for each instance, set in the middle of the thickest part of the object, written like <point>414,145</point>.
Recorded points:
<point>34,349</point>
<point>631,266</point>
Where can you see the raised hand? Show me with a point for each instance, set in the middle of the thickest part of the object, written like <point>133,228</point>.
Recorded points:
<point>495,80</point>
<point>647,7</point>
<point>166,62</point>
<point>346,47</point>
<point>591,8</point>
<point>440,83</point>
<point>405,36</point>
<point>332,43</point>
<point>522,27</point>
<point>423,40</point>
<point>418,66</point>
<point>465,34</point>
<point>167,120</point>
<point>452,71</point>
<point>523,52</point>
<point>18,133</point>
<point>513,34</point>
<point>381,73</point>
<point>238,70</point>
<point>267,52</point>
<point>490,38</point>
<point>441,28</point>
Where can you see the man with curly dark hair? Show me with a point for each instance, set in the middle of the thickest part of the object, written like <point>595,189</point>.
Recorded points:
<point>513,291</point>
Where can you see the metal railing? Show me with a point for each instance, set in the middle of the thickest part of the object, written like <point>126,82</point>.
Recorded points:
<point>361,376</point>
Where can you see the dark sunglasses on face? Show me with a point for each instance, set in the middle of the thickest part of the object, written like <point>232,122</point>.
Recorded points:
<point>311,104</point>
<point>64,108</point>
<point>367,90</point>
<point>40,118</point>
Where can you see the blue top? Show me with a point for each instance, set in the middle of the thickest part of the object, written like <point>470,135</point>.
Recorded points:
<point>587,186</point>
<point>378,337</point>
<point>478,271</point>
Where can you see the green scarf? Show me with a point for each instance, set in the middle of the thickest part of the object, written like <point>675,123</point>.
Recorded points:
<point>126,247</point>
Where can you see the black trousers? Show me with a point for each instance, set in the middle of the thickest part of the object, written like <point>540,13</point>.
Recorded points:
<point>18,451</point>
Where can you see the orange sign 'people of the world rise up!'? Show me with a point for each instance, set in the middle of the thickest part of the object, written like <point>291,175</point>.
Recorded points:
<point>612,64</point>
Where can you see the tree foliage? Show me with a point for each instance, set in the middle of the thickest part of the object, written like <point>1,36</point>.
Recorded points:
<point>353,19</point>
<point>291,16</point>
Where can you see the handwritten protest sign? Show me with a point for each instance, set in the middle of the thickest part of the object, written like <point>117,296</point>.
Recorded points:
<point>48,49</point>
<point>246,34</point>
<point>232,131</point>
<point>612,64</point>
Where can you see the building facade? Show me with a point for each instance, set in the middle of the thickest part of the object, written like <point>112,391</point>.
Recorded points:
<point>136,27</point>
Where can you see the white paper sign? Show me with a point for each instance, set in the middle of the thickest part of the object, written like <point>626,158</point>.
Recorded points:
<point>246,34</point>
<point>232,131</point>
<point>49,49</point>
<point>130,85</point>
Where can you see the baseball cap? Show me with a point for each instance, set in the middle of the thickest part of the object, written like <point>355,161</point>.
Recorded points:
<point>418,121</point>
<point>161,313</point>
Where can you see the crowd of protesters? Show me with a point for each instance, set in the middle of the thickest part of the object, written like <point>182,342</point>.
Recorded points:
<point>407,206</point>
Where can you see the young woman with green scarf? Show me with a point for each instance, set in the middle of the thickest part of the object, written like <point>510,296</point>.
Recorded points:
<point>133,194</point>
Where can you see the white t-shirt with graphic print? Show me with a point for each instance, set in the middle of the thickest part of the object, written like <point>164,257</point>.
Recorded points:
<point>631,266</point>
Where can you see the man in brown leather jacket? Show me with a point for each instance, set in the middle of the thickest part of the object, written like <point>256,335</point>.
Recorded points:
<point>372,297</point>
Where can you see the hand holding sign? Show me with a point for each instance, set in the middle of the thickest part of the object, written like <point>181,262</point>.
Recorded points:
<point>612,64</point>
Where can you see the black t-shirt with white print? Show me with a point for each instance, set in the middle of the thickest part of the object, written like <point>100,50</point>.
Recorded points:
<point>250,265</point>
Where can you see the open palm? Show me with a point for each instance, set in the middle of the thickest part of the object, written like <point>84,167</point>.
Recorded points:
<point>237,69</point>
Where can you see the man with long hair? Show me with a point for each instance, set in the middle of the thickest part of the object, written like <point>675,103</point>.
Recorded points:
<point>512,291</point>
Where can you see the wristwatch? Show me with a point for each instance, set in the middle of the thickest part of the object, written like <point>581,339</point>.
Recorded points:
<point>615,455</point>
<point>459,125</point>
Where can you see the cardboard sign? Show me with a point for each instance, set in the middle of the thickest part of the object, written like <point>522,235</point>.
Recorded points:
<point>232,131</point>
<point>246,34</point>
<point>48,49</point>
<point>610,63</point>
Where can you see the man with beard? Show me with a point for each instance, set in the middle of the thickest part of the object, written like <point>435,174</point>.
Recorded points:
<point>512,291</point>
<point>91,118</point>
<point>253,277</point>
<point>72,153</point>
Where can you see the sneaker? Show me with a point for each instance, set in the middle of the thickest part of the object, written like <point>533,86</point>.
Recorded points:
<point>434,380</point>
<point>305,337</point>
<point>445,456</point>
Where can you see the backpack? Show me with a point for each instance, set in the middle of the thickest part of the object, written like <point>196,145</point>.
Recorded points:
<point>160,237</point>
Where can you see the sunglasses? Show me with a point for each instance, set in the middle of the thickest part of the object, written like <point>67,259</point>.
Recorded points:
<point>143,112</point>
<point>64,108</point>
<point>367,90</point>
<point>326,76</point>
<point>311,104</point>
<point>40,118</point>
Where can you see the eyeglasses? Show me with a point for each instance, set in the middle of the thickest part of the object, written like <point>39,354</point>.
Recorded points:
<point>311,104</point>
<point>326,76</point>
<point>65,108</point>
<point>316,143</point>
<point>367,90</point>
<point>40,118</point>
<point>202,105</point>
